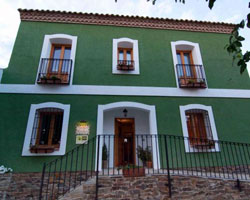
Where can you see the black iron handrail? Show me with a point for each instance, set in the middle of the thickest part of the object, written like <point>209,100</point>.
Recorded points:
<point>168,154</point>
<point>54,71</point>
<point>191,76</point>
<point>61,175</point>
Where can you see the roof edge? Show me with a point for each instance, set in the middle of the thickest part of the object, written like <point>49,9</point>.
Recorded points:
<point>124,21</point>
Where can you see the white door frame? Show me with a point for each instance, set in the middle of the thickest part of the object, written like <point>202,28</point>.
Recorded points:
<point>127,104</point>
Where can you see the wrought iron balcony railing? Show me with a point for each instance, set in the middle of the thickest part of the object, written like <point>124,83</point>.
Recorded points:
<point>126,65</point>
<point>54,71</point>
<point>191,76</point>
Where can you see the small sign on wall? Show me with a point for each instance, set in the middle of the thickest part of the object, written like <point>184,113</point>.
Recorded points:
<point>81,139</point>
<point>82,128</point>
<point>82,132</point>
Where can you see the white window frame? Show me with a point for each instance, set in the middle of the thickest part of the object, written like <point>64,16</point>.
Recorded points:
<point>58,39</point>
<point>196,54</point>
<point>183,109</point>
<point>136,71</point>
<point>31,120</point>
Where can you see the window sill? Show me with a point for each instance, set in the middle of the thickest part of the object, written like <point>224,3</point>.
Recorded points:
<point>193,85</point>
<point>203,146</point>
<point>63,80</point>
<point>43,149</point>
<point>125,67</point>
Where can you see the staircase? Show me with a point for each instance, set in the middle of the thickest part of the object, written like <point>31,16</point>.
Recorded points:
<point>64,174</point>
<point>75,172</point>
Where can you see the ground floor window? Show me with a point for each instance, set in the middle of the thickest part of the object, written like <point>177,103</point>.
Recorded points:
<point>47,128</point>
<point>198,127</point>
<point>46,134</point>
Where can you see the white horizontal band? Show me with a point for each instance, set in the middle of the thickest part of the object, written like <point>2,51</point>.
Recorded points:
<point>122,90</point>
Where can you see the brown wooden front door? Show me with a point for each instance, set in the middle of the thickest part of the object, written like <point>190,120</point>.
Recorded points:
<point>124,141</point>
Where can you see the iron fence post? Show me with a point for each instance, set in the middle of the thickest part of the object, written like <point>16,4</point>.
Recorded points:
<point>97,167</point>
<point>169,178</point>
<point>41,186</point>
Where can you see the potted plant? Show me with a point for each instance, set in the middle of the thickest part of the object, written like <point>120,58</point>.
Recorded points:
<point>145,156</point>
<point>191,81</point>
<point>202,83</point>
<point>55,79</point>
<point>133,171</point>
<point>104,156</point>
<point>44,79</point>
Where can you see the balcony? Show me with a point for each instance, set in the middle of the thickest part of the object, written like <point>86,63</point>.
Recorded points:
<point>54,71</point>
<point>126,65</point>
<point>191,76</point>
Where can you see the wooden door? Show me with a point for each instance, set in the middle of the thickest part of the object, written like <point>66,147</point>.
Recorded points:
<point>124,142</point>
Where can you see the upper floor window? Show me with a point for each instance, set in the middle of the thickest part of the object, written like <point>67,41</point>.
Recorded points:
<point>125,56</point>
<point>125,59</point>
<point>199,127</point>
<point>57,59</point>
<point>188,65</point>
<point>46,131</point>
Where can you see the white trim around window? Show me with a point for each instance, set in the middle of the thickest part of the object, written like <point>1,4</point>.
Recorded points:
<point>190,46</point>
<point>188,148</point>
<point>58,39</point>
<point>31,119</point>
<point>135,56</point>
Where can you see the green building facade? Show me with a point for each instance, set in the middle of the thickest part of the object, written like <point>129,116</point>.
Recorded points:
<point>167,77</point>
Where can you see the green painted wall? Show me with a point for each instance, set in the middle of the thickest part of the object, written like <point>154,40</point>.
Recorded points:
<point>93,64</point>
<point>231,118</point>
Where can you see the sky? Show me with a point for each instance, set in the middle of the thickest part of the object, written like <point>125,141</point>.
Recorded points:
<point>230,11</point>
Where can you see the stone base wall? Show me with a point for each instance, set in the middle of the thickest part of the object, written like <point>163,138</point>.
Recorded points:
<point>25,186</point>
<point>155,187</point>
<point>21,186</point>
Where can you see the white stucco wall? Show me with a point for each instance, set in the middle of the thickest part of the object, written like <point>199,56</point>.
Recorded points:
<point>141,127</point>
<point>1,73</point>
<point>141,120</point>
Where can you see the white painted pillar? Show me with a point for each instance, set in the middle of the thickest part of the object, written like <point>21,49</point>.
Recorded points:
<point>1,73</point>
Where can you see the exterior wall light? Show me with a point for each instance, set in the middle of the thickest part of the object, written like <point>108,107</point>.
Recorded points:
<point>125,112</point>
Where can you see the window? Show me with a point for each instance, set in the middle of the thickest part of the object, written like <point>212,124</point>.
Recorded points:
<point>57,59</point>
<point>57,68</point>
<point>199,127</point>
<point>60,54</point>
<point>47,128</point>
<point>46,131</point>
<point>188,65</point>
<point>125,56</point>
<point>125,59</point>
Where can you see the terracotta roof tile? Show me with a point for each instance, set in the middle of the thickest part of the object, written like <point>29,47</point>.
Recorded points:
<point>125,21</point>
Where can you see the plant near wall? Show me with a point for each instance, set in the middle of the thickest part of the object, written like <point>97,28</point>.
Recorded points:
<point>104,152</point>
<point>144,154</point>
<point>104,156</point>
<point>4,170</point>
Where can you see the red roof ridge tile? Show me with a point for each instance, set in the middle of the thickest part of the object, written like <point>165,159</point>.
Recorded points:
<point>131,21</point>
